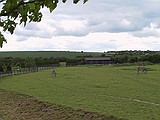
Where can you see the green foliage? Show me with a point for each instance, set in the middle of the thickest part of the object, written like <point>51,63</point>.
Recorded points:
<point>30,62</point>
<point>103,55</point>
<point>4,67</point>
<point>2,39</point>
<point>135,56</point>
<point>23,11</point>
<point>18,64</point>
<point>46,61</point>
<point>74,61</point>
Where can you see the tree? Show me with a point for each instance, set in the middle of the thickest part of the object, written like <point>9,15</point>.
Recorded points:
<point>103,55</point>
<point>4,67</point>
<point>23,11</point>
<point>30,62</point>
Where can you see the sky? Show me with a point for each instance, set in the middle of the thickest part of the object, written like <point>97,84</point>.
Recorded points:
<point>97,26</point>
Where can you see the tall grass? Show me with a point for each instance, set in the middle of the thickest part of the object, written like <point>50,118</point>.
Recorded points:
<point>117,91</point>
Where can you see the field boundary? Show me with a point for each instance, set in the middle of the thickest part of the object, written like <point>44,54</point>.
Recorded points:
<point>26,70</point>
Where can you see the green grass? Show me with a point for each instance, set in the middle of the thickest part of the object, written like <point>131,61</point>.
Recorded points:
<point>116,91</point>
<point>47,54</point>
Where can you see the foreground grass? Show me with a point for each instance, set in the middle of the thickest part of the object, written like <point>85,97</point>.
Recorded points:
<point>22,107</point>
<point>116,91</point>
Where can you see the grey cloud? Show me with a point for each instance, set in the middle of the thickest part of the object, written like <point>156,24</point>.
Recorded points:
<point>31,30</point>
<point>106,16</point>
<point>101,16</point>
<point>32,26</point>
<point>114,25</point>
<point>146,33</point>
<point>136,12</point>
<point>21,38</point>
<point>152,29</point>
<point>25,34</point>
<point>78,33</point>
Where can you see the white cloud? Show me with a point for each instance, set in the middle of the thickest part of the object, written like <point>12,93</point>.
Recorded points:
<point>71,27</point>
<point>99,25</point>
<point>92,42</point>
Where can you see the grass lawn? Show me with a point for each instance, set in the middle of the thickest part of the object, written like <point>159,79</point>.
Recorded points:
<point>117,91</point>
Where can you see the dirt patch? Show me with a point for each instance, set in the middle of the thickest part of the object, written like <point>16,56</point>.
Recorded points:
<point>14,106</point>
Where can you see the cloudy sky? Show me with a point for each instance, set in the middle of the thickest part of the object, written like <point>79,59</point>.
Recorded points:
<point>98,25</point>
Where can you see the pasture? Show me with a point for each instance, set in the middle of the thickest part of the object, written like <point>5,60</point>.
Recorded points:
<point>108,90</point>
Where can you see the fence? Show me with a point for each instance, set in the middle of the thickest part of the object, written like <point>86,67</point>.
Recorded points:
<point>19,71</point>
<point>27,70</point>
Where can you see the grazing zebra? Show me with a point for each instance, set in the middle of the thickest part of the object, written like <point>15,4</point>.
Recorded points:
<point>53,73</point>
<point>143,69</point>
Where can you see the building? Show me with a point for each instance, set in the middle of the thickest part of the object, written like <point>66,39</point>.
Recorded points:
<point>101,60</point>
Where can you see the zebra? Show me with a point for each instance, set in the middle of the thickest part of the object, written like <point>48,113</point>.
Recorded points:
<point>53,73</point>
<point>141,68</point>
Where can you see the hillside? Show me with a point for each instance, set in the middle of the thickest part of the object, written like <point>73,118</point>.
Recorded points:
<point>46,54</point>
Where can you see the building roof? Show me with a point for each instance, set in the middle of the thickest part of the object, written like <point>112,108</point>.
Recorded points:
<point>101,58</point>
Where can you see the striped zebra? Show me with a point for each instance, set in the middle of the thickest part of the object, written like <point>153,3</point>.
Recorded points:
<point>53,73</point>
<point>143,69</point>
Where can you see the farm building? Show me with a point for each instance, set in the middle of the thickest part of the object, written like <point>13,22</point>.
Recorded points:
<point>102,60</point>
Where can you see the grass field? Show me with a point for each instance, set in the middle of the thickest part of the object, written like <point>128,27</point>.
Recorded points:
<point>47,54</point>
<point>116,91</point>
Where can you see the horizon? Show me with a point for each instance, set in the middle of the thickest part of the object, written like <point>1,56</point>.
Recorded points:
<point>80,51</point>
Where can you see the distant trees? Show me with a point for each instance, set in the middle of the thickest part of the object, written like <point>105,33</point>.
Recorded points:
<point>4,67</point>
<point>153,58</point>
<point>29,62</point>
<point>103,55</point>
<point>46,61</point>
<point>121,59</point>
<point>74,61</point>
<point>132,52</point>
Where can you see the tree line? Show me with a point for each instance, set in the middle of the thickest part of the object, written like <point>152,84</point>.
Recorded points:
<point>132,52</point>
<point>8,63</point>
<point>152,58</point>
